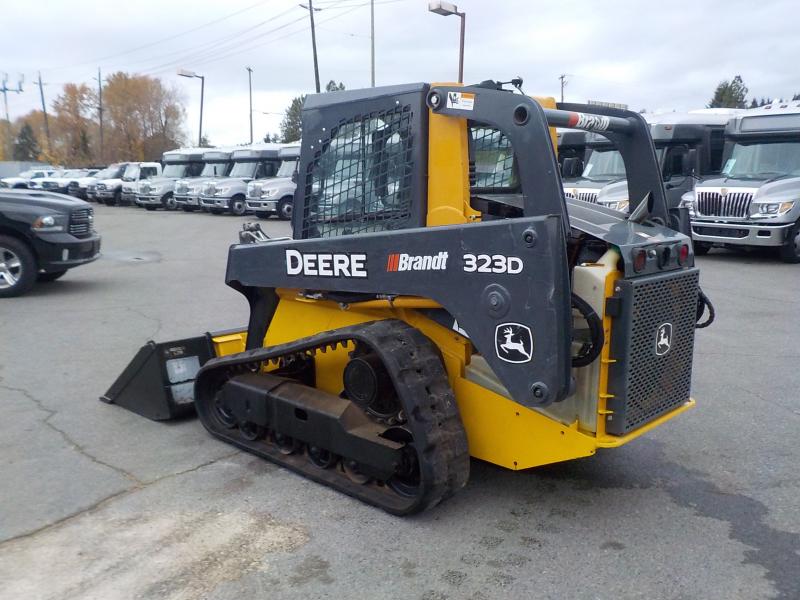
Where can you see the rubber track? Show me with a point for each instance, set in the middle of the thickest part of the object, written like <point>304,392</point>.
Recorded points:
<point>427,400</point>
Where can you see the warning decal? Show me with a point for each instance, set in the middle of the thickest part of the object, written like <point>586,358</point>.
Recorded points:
<point>460,100</point>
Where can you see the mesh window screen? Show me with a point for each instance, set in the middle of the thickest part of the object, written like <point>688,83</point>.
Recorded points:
<point>494,159</point>
<point>361,180</point>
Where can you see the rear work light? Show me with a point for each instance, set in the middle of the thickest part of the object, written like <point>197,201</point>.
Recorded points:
<point>639,260</point>
<point>683,254</point>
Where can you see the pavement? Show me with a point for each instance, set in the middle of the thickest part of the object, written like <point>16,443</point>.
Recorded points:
<point>96,502</point>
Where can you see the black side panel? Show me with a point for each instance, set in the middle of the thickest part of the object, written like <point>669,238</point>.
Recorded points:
<point>159,382</point>
<point>505,281</point>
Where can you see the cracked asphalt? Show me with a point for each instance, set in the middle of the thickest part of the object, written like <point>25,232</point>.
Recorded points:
<point>96,502</point>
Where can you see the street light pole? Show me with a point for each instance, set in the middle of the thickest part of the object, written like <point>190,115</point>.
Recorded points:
<point>372,39</point>
<point>250,85</point>
<point>192,74</point>
<point>446,9</point>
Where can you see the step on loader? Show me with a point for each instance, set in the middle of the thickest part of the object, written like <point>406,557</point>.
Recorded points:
<point>440,299</point>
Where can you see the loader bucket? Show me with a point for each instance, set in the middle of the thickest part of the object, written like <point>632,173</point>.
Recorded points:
<point>159,382</point>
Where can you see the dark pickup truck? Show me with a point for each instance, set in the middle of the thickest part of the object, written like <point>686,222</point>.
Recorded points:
<point>42,235</point>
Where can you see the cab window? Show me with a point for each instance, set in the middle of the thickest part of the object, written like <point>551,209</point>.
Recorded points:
<point>148,172</point>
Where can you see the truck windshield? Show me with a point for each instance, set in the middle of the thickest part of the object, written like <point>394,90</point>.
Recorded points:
<point>214,169</point>
<point>287,168</point>
<point>131,173</point>
<point>760,160</point>
<point>244,168</point>
<point>175,170</point>
<point>604,165</point>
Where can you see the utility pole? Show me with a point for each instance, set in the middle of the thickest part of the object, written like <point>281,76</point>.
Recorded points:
<point>372,38</point>
<point>44,111</point>
<point>250,85</point>
<point>563,79</point>
<point>5,89</point>
<point>100,112</point>
<point>310,8</point>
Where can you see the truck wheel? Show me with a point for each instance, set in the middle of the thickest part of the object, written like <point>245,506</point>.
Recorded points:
<point>701,248</point>
<point>52,276</point>
<point>263,214</point>
<point>285,207</point>
<point>17,267</point>
<point>168,202</point>
<point>237,206</point>
<point>790,251</point>
<point>116,199</point>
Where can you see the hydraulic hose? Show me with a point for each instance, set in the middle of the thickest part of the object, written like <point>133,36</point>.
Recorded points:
<point>704,303</point>
<point>587,355</point>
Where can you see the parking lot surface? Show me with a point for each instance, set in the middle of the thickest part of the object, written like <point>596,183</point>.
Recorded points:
<point>96,502</point>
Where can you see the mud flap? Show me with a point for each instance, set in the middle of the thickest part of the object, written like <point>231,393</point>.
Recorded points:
<point>159,382</point>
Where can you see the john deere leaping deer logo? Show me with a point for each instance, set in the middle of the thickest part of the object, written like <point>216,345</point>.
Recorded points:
<point>663,339</point>
<point>513,342</point>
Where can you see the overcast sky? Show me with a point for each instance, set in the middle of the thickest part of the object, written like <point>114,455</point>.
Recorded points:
<point>654,55</point>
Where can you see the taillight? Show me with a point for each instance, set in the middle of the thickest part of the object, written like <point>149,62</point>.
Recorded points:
<point>639,259</point>
<point>683,254</point>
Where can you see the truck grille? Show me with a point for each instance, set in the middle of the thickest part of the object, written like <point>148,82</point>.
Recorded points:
<point>588,196</point>
<point>650,378</point>
<point>181,189</point>
<point>49,185</point>
<point>732,204</point>
<point>80,222</point>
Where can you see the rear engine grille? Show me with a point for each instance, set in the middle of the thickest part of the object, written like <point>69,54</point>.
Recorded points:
<point>732,204</point>
<point>653,344</point>
<point>80,222</point>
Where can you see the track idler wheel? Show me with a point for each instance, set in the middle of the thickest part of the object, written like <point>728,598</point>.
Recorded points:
<point>368,384</point>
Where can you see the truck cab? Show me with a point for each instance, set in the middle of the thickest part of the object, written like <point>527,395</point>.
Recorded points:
<point>111,173</point>
<point>754,201</point>
<point>134,173</point>
<point>216,163</point>
<point>158,192</point>
<point>687,145</point>
<point>276,195</point>
<point>249,164</point>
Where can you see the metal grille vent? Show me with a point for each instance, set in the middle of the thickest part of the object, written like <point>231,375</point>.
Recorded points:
<point>493,160</point>
<point>644,383</point>
<point>585,196</point>
<point>361,178</point>
<point>732,204</point>
<point>80,222</point>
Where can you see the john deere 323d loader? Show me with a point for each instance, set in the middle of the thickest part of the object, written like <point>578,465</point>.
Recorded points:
<point>439,300</point>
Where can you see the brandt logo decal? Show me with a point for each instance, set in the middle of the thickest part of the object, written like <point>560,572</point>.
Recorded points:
<point>663,339</point>
<point>513,342</point>
<point>409,262</point>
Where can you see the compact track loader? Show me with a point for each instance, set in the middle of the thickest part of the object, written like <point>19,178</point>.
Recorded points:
<point>439,300</point>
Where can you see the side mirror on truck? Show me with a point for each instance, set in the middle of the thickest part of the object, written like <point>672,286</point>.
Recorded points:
<point>571,167</point>
<point>689,161</point>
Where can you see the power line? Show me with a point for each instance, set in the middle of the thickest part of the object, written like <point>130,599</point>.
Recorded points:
<point>162,40</point>
<point>207,46</point>
<point>291,33</point>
